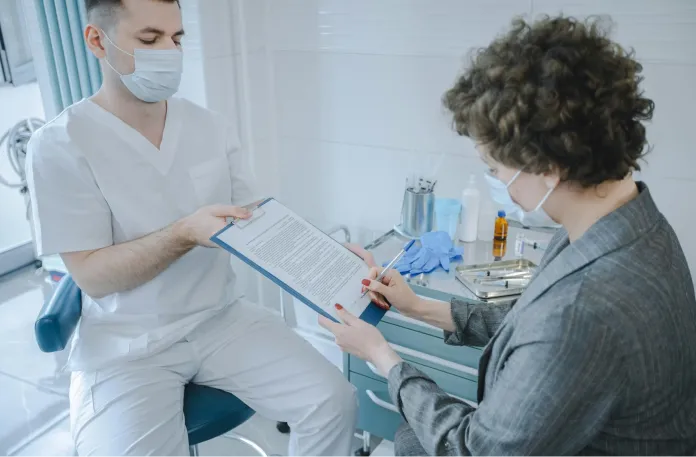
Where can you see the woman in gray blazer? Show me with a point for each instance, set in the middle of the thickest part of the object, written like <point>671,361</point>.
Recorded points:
<point>598,356</point>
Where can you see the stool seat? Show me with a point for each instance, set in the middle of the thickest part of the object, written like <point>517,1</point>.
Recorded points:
<point>208,412</point>
<point>211,412</point>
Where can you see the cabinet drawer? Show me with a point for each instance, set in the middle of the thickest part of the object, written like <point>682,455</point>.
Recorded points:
<point>396,318</point>
<point>407,337</point>
<point>462,387</point>
<point>377,413</point>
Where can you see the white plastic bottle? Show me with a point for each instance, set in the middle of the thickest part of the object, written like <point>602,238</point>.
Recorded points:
<point>471,204</point>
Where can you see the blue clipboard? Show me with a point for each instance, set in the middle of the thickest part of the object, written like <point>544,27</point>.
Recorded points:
<point>372,314</point>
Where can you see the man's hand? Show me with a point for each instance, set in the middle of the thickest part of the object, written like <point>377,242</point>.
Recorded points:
<point>199,227</point>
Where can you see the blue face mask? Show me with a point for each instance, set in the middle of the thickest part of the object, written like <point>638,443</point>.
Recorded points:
<point>501,195</point>
<point>157,74</point>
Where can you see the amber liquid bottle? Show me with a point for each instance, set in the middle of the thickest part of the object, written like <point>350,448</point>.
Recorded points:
<point>499,249</point>
<point>501,227</point>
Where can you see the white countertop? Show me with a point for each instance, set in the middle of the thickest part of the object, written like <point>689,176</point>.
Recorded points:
<point>443,285</point>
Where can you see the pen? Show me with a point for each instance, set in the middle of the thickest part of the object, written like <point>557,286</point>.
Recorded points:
<point>392,263</point>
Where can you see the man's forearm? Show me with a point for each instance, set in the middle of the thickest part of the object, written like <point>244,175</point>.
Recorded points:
<point>125,266</point>
<point>435,313</point>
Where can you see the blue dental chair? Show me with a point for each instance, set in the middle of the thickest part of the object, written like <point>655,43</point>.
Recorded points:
<point>208,412</point>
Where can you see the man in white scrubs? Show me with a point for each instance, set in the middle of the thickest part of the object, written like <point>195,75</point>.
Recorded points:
<point>127,187</point>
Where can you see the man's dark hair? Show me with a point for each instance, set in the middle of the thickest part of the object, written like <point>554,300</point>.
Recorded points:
<point>103,12</point>
<point>555,95</point>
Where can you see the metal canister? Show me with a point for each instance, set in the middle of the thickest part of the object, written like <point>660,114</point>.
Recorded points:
<point>417,212</point>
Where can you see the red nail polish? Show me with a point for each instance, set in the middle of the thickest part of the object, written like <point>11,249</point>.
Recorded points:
<point>366,282</point>
<point>338,307</point>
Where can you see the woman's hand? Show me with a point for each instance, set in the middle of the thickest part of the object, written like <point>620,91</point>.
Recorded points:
<point>363,340</point>
<point>362,253</point>
<point>370,261</point>
<point>395,290</point>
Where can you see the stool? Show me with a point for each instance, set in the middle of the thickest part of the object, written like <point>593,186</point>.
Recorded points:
<point>208,412</point>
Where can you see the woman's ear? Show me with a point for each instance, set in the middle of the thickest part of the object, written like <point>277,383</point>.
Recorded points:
<point>552,178</point>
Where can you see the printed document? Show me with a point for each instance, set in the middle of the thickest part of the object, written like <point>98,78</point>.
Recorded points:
<point>301,259</point>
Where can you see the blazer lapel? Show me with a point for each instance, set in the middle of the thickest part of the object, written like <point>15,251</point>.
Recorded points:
<point>483,366</point>
<point>613,231</point>
<point>617,229</point>
<point>557,244</point>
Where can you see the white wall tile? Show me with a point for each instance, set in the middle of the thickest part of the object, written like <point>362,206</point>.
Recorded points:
<point>660,31</point>
<point>192,41</point>
<point>345,96</point>
<point>404,27</point>
<point>221,85</point>
<point>193,79</point>
<point>262,102</point>
<point>669,86</point>
<point>361,186</point>
<point>215,20</point>
<point>266,171</point>
<point>193,85</point>
<point>255,25</point>
<point>387,101</point>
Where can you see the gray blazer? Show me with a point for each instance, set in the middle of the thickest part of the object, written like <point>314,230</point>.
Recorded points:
<point>598,356</point>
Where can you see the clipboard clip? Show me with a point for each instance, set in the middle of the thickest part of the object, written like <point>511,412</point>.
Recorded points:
<point>256,213</point>
<point>255,216</point>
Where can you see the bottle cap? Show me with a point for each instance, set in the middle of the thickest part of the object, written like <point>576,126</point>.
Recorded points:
<point>501,213</point>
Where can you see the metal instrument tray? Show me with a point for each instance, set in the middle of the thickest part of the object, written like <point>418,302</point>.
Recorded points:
<point>509,269</point>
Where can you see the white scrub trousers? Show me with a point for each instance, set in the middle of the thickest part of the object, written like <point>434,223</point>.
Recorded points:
<point>136,407</point>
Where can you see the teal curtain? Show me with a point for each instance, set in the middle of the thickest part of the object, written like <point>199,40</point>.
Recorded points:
<point>73,71</point>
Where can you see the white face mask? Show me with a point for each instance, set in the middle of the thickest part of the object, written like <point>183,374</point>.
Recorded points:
<point>157,73</point>
<point>501,195</point>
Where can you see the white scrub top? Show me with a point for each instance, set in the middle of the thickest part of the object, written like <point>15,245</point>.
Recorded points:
<point>95,182</point>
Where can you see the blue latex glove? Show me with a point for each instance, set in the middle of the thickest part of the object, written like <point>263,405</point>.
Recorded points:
<point>403,266</point>
<point>436,250</point>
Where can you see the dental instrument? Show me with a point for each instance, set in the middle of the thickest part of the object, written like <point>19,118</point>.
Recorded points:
<point>502,282</point>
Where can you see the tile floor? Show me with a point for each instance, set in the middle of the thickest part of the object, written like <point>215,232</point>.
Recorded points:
<point>34,391</point>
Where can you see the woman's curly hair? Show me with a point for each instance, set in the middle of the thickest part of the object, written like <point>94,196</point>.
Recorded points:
<point>559,95</point>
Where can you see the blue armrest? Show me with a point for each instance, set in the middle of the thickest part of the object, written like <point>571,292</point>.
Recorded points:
<point>59,316</point>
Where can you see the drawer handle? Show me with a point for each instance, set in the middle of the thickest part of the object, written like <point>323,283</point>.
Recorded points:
<point>386,405</point>
<point>409,320</point>
<point>371,394</point>
<point>420,355</point>
<point>374,369</point>
<point>433,359</point>
<point>381,403</point>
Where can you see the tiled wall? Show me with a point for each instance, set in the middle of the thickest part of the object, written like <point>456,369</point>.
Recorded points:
<point>663,35</point>
<point>193,80</point>
<point>339,100</point>
<point>351,91</point>
<point>216,75</point>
